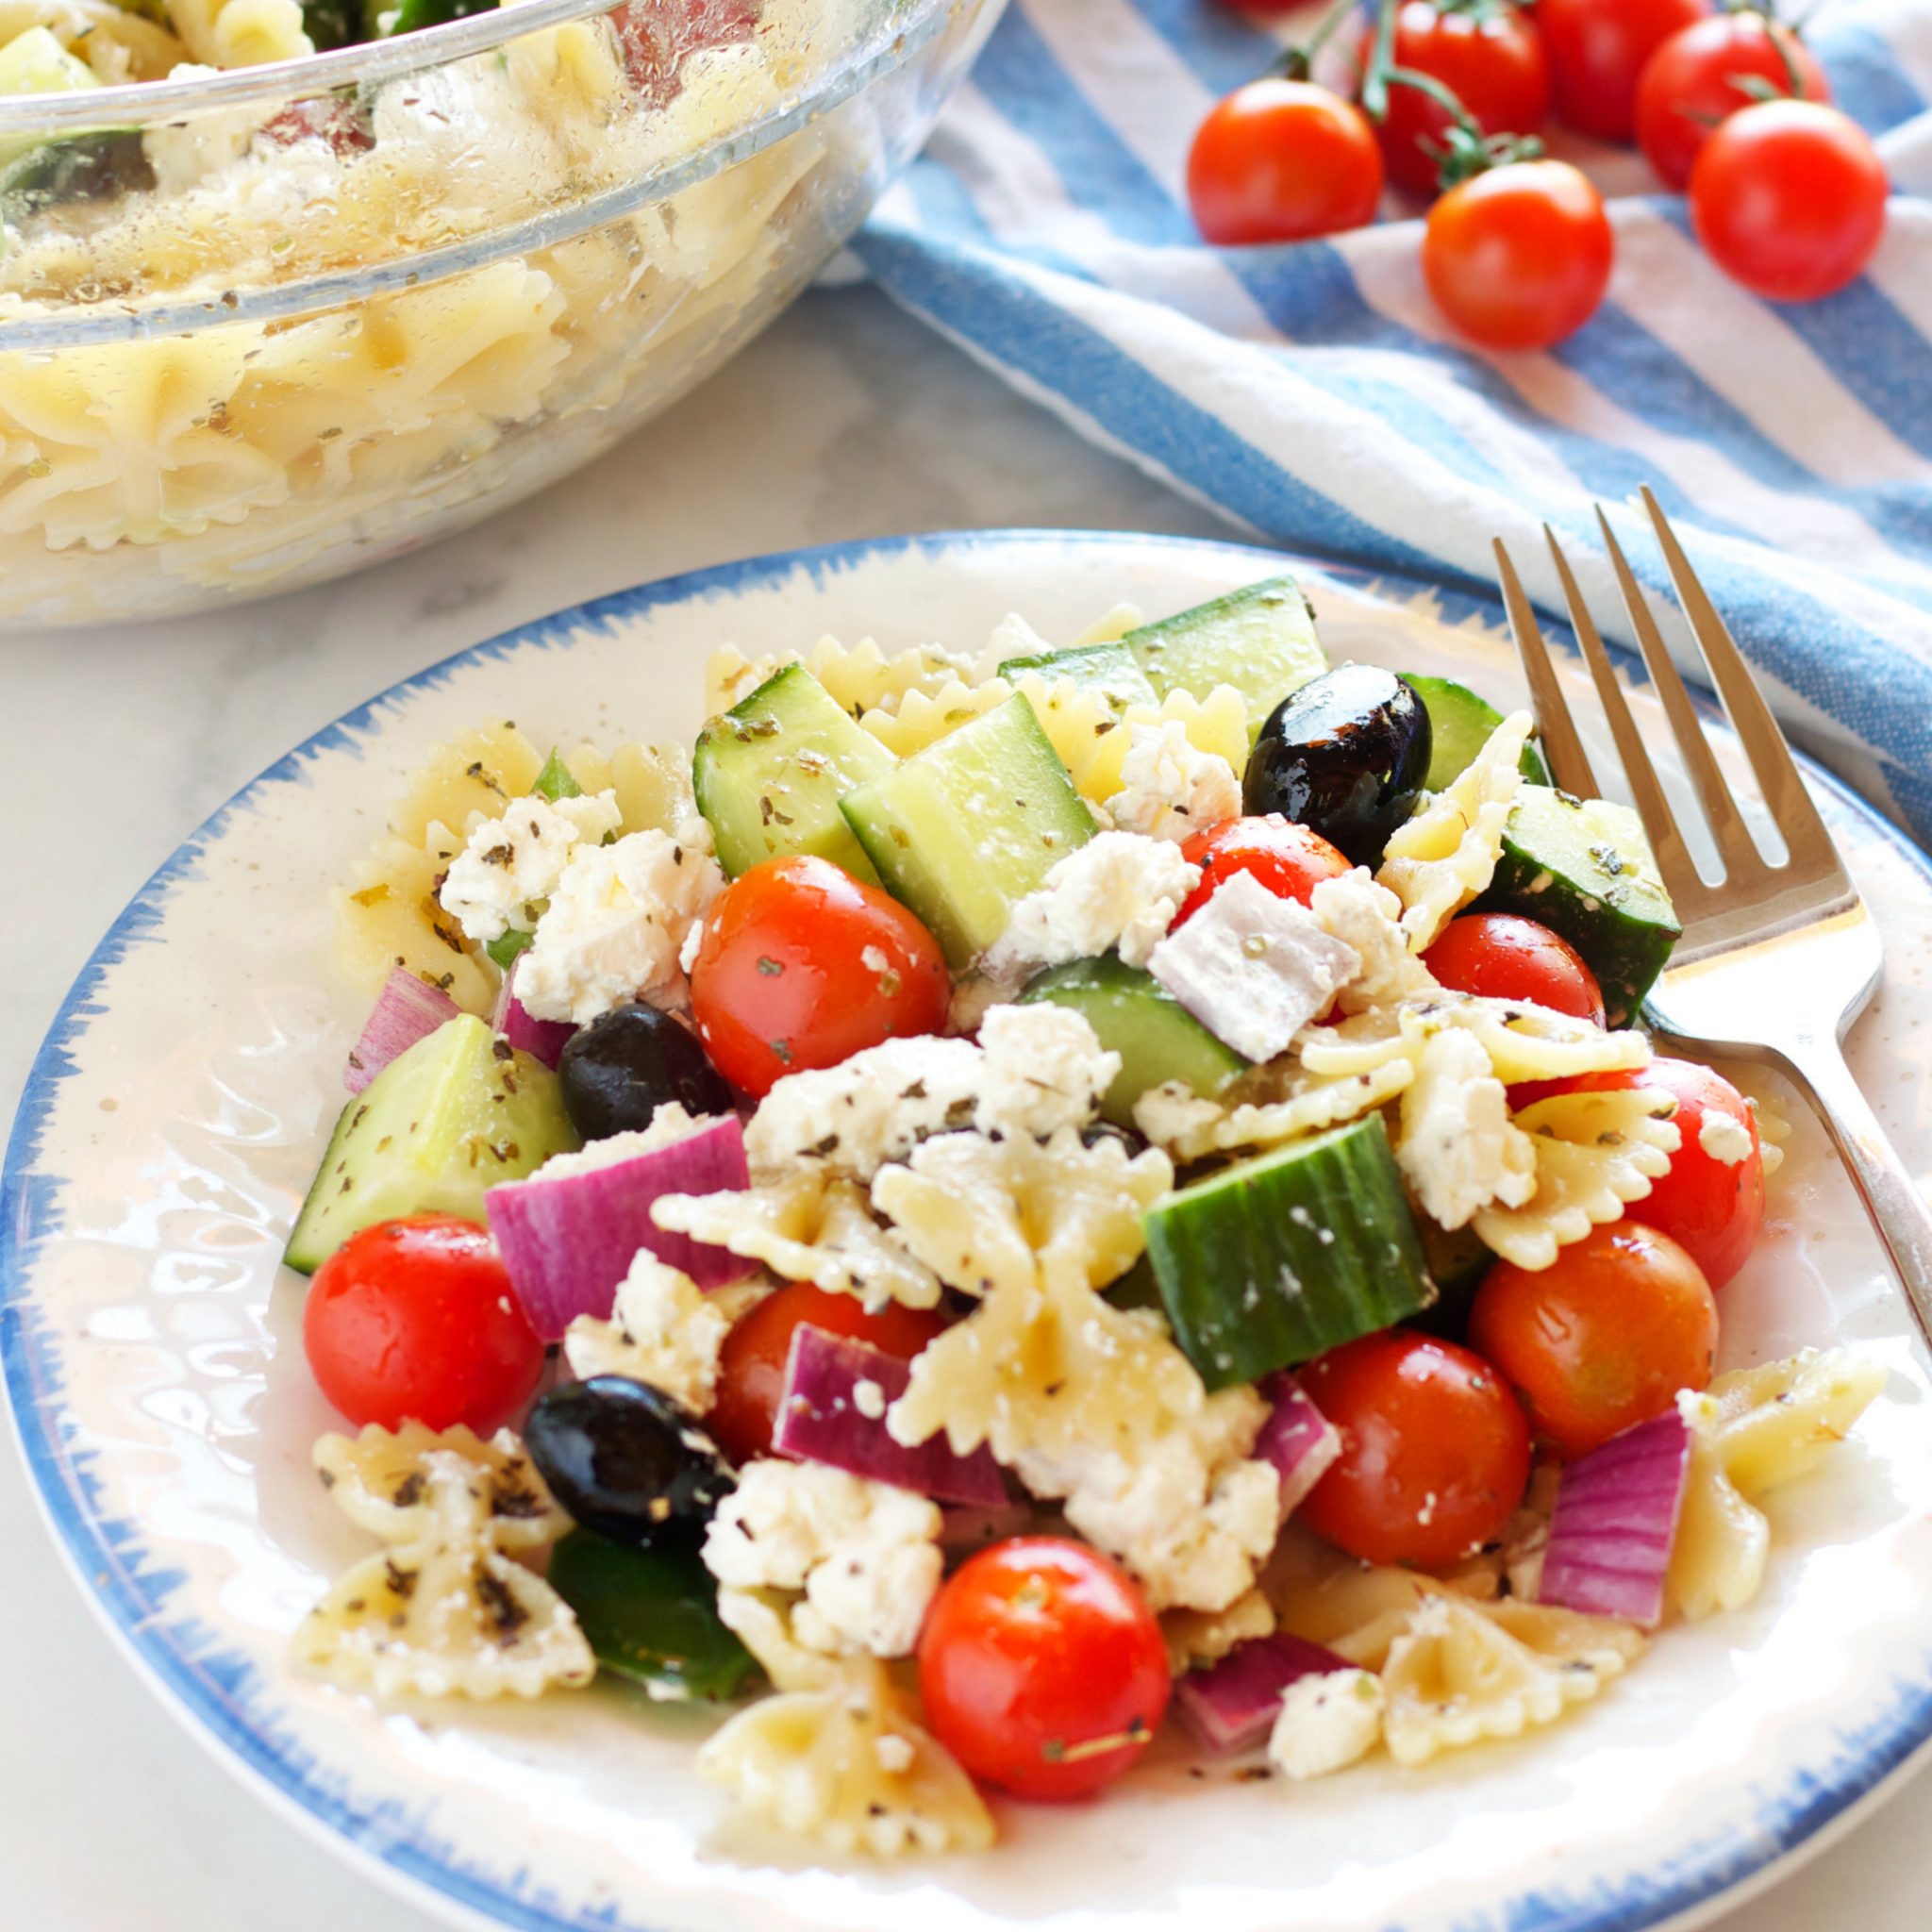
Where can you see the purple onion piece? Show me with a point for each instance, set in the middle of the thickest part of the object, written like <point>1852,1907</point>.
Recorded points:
<point>1297,1438</point>
<point>1232,1705</point>
<point>406,1009</point>
<point>542,1040</point>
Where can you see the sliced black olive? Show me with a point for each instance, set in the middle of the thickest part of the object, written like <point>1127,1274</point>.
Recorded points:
<point>618,1071</point>
<point>1345,756</point>
<point>627,1461</point>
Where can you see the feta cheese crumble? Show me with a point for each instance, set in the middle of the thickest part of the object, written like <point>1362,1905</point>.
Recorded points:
<point>1327,1722</point>
<point>1366,916</point>
<point>1042,1068</point>
<point>1168,788</point>
<point>663,1330</point>
<point>1723,1139</point>
<point>668,1124</point>
<point>511,863</point>
<point>1118,891</point>
<point>1458,1148</point>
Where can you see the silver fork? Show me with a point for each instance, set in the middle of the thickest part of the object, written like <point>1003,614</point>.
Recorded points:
<point>1775,961</point>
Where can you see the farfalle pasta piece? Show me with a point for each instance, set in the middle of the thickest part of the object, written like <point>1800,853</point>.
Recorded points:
<point>1196,1638</point>
<point>240,33</point>
<point>1458,1147</point>
<point>860,677</point>
<point>1216,724</point>
<point>1524,1042</point>
<point>1750,1431</point>
<point>651,783</point>
<point>1174,1117</point>
<point>1595,1153</point>
<point>1447,853</point>
<point>836,1757</point>
<point>922,718</point>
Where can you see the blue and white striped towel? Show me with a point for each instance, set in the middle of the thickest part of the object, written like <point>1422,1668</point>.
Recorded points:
<point>1312,394</point>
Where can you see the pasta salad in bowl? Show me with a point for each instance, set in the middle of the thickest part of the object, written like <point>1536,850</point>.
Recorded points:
<point>1013,1209</point>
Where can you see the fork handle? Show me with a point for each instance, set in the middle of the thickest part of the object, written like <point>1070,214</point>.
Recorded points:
<point>1891,1197</point>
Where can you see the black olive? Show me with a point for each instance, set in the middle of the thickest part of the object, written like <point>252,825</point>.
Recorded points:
<point>627,1461</point>
<point>1130,1141</point>
<point>618,1071</point>
<point>1345,756</point>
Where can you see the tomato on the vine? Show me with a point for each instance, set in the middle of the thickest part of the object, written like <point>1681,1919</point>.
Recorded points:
<point>1502,955</point>
<point>1697,79</point>
<point>414,1321</point>
<point>1519,257</point>
<point>1491,59</point>
<point>1789,198</point>
<point>1041,1668</point>
<point>1290,859</point>
<point>800,966</point>
<point>1281,160</point>
<point>1597,52</point>
<point>1435,1451</point>
<point>751,1362</point>
<point>1601,1339</point>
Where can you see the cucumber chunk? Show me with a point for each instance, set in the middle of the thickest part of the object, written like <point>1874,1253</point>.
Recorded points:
<point>770,773</point>
<point>1583,868</point>
<point>454,1115</point>
<point>1135,1016</point>
<point>963,830</point>
<point>1289,1255</point>
<point>1260,640</point>
<point>1461,724</point>
<point>1109,669</point>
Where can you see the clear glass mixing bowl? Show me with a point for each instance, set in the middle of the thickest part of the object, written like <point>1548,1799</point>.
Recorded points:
<point>263,327</point>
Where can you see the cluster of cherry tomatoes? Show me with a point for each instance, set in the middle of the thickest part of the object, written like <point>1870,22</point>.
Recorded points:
<point>1787,194</point>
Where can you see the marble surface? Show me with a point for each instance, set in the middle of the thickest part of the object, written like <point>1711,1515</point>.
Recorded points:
<point>847,420</point>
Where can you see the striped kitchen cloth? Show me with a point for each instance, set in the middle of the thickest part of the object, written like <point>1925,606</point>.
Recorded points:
<point>1312,394</point>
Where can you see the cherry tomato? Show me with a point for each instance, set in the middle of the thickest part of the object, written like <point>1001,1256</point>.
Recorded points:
<point>1492,61</point>
<point>1435,1451</point>
<point>802,966</point>
<point>1601,1339</point>
<point>1520,257</point>
<point>1503,957</point>
<point>414,1321</point>
<point>1041,1668</point>
<point>1288,858</point>
<point>1280,161</point>
<point>1598,49</point>
<point>657,40</point>
<point>1691,83</point>
<point>751,1364</point>
<point>1789,198</point>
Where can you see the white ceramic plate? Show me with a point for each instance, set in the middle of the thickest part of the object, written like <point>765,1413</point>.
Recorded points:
<point>151,1353</point>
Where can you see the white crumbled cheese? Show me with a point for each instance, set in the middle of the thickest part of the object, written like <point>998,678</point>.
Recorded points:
<point>1458,1148</point>
<point>1326,1722</point>
<point>1367,917</point>
<point>693,945</point>
<point>669,1124</point>
<point>617,923</point>
<point>1118,889</point>
<point>1043,1068</point>
<point>1723,1139</point>
<point>973,995</point>
<point>866,1554</point>
<point>1251,968</point>
<point>1012,637</point>
<point>1173,1112</point>
<point>511,863</point>
<point>876,1106</point>
<point>894,1753</point>
<point>1171,789</point>
<point>869,1398</point>
<point>663,1330</point>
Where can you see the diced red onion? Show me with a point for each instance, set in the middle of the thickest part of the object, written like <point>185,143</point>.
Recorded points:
<point>568,1241</point>
<point>1615,1522</point>
<point>406,1009</point>
<point>820,1420</point>
<point>1232,1705</point>
<point>541,1040</point>
<point>1297,1438</point>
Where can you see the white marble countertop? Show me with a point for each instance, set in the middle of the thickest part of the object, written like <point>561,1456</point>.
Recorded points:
<point>846,420</point>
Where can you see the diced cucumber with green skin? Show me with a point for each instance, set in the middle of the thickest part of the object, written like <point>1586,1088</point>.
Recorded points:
<point>651,1616</point>
<point>1110,669</point>
<point>1289,1255</point>
<point>505,947</point>
<point>457,1113</point>
<point>1583,868</point>
<point>1461,724</point>
<point>770,773</point>
<point>1132,1015</point>
<point>964,829</point>
<point>555,781</point>
<point>1260,640</point>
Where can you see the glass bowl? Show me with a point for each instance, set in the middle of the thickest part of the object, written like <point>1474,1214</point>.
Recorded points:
<point>264,325</point>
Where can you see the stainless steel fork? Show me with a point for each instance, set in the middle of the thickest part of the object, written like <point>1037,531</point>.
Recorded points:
<point>1775,961</point>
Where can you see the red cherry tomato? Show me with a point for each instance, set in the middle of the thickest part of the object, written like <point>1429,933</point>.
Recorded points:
<point>1041,1668</point>
<point>1492,61</point>
<point>1280,161</point>
<point>1601,1339</point>
<point>1789,198</point>
<point>1288,858</point>
<point>802,966</point>
<point>1435,1451</point>
<point>1503,957</point>
<point>655,39</point>
<point>1691,84</point>
<point>1598,50</point>
<point>751,1364</point>
<point>414,1321</point>
<point>1520,257</point>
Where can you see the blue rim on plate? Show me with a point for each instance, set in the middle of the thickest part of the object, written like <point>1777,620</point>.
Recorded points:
<point>216,1694</point>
